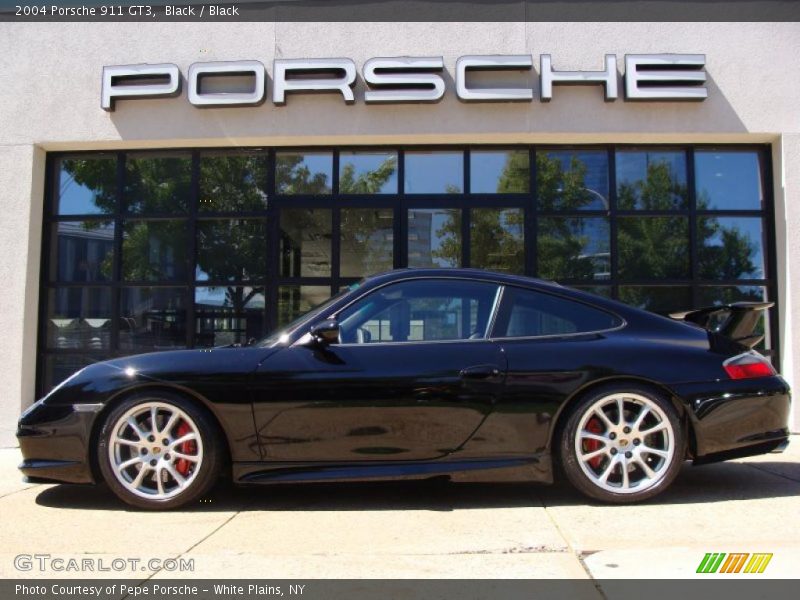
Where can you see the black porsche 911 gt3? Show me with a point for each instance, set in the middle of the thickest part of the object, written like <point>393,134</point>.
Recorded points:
<point>417,373</point>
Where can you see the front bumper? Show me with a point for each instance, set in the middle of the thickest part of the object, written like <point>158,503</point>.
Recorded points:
<point>732,419</point>
<point>55,441</point>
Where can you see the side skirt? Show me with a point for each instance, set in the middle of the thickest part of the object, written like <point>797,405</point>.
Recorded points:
<point>510,469</point>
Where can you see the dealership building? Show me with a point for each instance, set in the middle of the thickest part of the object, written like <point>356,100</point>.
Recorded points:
<point>186,185</point>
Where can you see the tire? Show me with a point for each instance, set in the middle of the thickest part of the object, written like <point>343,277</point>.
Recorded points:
<point>158,469</point>
<point>622,462</point>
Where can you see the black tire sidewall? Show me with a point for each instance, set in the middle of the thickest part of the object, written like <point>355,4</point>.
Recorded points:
<point>209,467</point>
<point>568,459</point>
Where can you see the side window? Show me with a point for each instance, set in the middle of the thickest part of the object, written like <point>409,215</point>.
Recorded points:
<point>528,314</point>
<point>424,310</point>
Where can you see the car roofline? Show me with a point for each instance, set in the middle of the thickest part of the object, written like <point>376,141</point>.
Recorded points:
<point>460,273</point>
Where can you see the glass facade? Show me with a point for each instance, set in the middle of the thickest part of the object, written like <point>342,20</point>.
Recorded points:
<point>148,251</point>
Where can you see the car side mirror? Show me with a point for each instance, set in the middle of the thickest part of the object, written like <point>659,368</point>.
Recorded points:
<point>325,332</point>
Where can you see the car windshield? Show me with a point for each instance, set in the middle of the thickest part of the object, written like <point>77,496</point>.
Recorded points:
<point>280,335</point>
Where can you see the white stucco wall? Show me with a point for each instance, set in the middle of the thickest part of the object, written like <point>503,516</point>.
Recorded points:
<point>21,189</point>
<point>50,100</point>
<point>51,84</point>
<point>786,163</point>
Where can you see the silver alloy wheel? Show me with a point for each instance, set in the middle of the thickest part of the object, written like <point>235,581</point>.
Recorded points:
<point>624,443</point>
<point>155,450</point>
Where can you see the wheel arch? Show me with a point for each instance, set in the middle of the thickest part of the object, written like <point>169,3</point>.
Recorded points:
<point>566,407</point>
<point>121,395</point>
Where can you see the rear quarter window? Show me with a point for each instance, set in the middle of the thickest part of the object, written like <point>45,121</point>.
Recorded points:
<point>527,313</point>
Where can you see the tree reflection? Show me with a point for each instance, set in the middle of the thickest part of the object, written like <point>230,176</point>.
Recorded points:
<point>649,248</point>
<point>733,257</point>
<point>368,182</point>
<point>569,248</point>
<point>448,239</point>
<point>158,185</point>
<point>305,242</point>
<point>497,241</point>
<point>233,182</point>
<point>657,248</point>
<point>293,175</point>
<point>99,176</point>
<point>366,234</point>
<point>565,189</point>
<point>661,189</point>
<point>367,241</point>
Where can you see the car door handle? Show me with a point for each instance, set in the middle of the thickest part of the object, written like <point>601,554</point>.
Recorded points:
<point>480,372</point>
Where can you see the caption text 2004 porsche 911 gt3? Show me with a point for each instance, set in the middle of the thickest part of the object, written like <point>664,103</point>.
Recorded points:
<point>417,373</point>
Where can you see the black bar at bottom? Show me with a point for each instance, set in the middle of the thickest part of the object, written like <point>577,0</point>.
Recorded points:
<point>706,586</point>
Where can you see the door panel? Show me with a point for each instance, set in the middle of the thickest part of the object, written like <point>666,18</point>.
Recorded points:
<point>393,401</point>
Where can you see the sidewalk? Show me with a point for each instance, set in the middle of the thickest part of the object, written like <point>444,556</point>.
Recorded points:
<point>418,529</point>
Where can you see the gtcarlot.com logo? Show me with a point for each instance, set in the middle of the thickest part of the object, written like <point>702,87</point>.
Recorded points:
<point>45,563</point>
<point>735,562</point>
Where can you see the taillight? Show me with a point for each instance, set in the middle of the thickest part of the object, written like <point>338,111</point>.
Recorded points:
<point>748,366</point>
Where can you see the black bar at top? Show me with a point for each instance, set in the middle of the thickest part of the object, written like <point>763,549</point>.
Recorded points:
<point>423,10</point>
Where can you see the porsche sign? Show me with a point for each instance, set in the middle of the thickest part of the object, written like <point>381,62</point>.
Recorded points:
<point>654,77</point>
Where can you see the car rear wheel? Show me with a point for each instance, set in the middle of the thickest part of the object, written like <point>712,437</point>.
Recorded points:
<point>622,444</point>
<point>159,451</point>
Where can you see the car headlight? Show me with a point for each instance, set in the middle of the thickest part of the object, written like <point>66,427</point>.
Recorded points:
<point>33,406</point>
<point>63,383</point>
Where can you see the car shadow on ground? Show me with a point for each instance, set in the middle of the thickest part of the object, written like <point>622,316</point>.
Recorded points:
<point>710,483</point>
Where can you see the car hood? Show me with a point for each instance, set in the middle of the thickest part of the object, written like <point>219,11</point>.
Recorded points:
<point>204,361</point>
<point>95,382</point>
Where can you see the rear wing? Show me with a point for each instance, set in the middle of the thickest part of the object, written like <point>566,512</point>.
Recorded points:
<point>736,321</point>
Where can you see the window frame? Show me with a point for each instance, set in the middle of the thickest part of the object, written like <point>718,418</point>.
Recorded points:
<point>493,311</point>
<point>503,316</point>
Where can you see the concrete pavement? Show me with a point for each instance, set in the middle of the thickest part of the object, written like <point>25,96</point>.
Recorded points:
<point>414,529</point>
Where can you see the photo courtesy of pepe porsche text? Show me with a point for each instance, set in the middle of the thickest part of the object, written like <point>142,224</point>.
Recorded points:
<point>155,590</point>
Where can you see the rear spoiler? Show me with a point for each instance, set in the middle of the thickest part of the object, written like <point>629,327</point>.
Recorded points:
<point>739,324</point>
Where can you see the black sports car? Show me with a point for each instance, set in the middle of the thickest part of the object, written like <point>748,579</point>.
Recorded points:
<point>417,373</point>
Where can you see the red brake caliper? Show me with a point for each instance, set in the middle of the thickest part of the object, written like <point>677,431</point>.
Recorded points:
<point>182,465</point>
<point>593,426</point>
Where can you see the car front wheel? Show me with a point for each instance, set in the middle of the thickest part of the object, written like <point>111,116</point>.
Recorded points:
<point>159,451</point>
<point>622,444</point>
